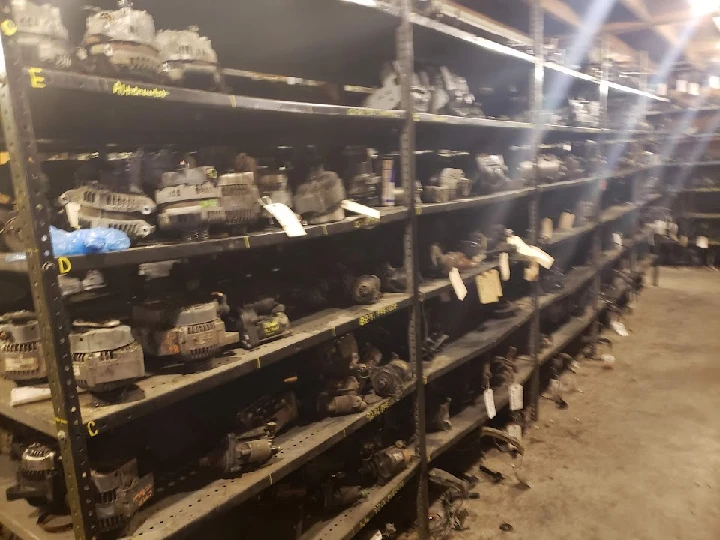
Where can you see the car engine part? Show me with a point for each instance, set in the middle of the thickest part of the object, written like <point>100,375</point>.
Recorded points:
<point>447,185</point>
<point>101,207</point>
<point>41,35</point>
<point>439,418</point>
<point>188,59</point>
<point>261,322</point>
<point>239,453</point>
<point>273,183</point>
<point>10,238</point>
<point>388,379</point>
<point>364,290</point>
<point>393,280</point>
<point>584,113</point>
<point>363,185</point>
<point>492,173</point>
<point>121,42</point>
<point>386,463</point>
<point>441,263</point>
<point>550,169</point>
<point>340,393</point>
<point>120,491</point>
<point>452,95</point>
<point>318,199</point>
<point>69,285</point>
<point>106,356</point>
<point>20,348</point>
<point>186,332</point>
<point>504,309</point>
<point>240,199</point>
<point>341,397</point>
<point>387,97</point>
<point>280,410</point>
<point>189,202</point>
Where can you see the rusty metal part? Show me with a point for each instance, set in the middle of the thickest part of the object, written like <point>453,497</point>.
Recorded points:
<point>120,494</point>
<point>440,416</point>
<point>365,289</point>
<point>241,452</point>
<point>390,461</point>
<point>281,410</point>
<point>389,379</point>
<point>189,59</point>
<point>441,263</point>
<point>20,347</point>
<point>447,185</point>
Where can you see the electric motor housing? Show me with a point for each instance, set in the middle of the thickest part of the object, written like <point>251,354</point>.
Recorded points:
<point>20,347</point>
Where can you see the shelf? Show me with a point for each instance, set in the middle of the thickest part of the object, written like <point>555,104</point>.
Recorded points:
<point>697,215</point>
<point>14,262</point>
<point>544,188</point>
<point>476,342</point>
<point>472,417</point>
<point>616,212</point>
<point>692,164</point>
<point>162,389</point>
<point>683,110</point>
<point>565,334</point>
<point>560,236</point>
<point>188,510</point>
<point>473,202</point>
<point>351,521</point>
<point>701,190</point>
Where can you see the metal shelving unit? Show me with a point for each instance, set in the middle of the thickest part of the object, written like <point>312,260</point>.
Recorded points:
<point>56,105</point>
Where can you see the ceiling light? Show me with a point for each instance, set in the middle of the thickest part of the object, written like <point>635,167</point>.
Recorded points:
<point>703,7</point>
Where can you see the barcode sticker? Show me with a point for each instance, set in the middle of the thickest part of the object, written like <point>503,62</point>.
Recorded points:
<point>489,399</point>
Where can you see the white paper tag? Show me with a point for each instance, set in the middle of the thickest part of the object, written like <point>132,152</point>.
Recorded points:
<point>617,239</point>
<point>489,403</point>
<point>662,89</point>
<point>714,82</point>
<point>619,328</point>
<point>377,536</point>
<point>673,229</point>
<point>555,389</point>
<point>683,241</point>
<point>286,218</point>
<point>681,85</point>
<point>660,227</point>
<point>458,284</point>
<point>505,266</point>
<point>694,89</point>
<point>531,252</point>
<point>546,228</point>
<point>28,394</point>
<point>702,242</point>
<point>71,211</point>
<point>516,396</point>
<point>567,220</point>
<point>357,208</point>
<point>567,147</point>
<point>515,431</point>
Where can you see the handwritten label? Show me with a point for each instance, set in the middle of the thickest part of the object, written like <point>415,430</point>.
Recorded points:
<point>489,403</point>
<point>365,319</point>
<point>458,284</point>
<point>122,89</point>
<point>377,411</point>
<point>364,222</point>
<point>8,27</point>
<point>516,397</point>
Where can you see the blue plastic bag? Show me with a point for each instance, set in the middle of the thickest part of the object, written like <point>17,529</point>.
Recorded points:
<point>85,241</point>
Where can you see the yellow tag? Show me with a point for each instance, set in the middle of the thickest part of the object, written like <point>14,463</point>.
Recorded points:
<point>64,265</point>
<point>8,27</point>
<point>36,78</point>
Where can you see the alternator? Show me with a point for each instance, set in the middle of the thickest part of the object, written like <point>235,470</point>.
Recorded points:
<point>241,452</point>
<point>189,59</point>
<point>121,42</point>
<point>388,379</point>
<point>447,185</point>
<point>363,185</point>
<point>188,206</point>
<point>240,199</point>
<point>492,173</point>
<point>120,493</point>
<point>188,333</point>
<point>100,207</point>
<point>39,478</point>
<point>20,348</point>
<point>262,321</point>
<point>106,356</point>
<point>41,34</point>
<point>318,199</point>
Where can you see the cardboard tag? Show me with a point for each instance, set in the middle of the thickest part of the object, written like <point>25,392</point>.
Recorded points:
<point>546,228</point>
<point>458,284</point>
<point>617,239</point>
<point>515,431</point>
<point>489,399</point>
<point>516,396</point>
<point>683,241</point>
<point>567,220</point>
<point>619,328</point>
<point>533,253</point>
<point>494,277</point>
<point>532,271</point>
<point>286,218</point>
<point>694,89</point>
<point>487,291</point>
<point>505,266</point>
<point>702,242</point>
<point>357,208</point>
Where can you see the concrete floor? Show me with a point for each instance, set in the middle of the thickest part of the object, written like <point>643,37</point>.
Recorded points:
<point>636,455</point>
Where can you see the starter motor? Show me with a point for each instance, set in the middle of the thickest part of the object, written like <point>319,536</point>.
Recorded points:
<point>261,322</point>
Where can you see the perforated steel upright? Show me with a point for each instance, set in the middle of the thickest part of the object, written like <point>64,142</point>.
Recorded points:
<point>34,211</point>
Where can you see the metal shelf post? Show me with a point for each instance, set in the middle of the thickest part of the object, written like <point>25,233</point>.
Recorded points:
<point>34,210</point>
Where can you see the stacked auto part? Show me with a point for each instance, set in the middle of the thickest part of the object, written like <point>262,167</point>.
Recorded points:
<point>239,195</point>
<point>188,59</point>
<point>20,348</point>
<point>42,36</point>
<point>188,333</point>
<point>318,198</point>
<point>447,185</point>
<point>112,198</point>
<point>363,185</point>
<point>492,173</point>
<point>121,42</point>
<point>387,97</point>
<point>341,393</point>
<point>241,452</point>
